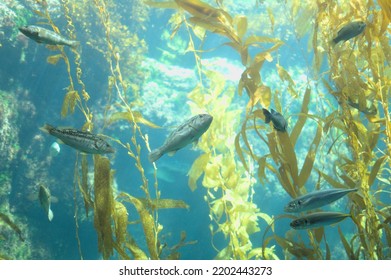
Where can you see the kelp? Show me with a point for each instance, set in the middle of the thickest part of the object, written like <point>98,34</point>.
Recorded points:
<point>103,205</point>
<point>148,224</point>
<point>7,220</point>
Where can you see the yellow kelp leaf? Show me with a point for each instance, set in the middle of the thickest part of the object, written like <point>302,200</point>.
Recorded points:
<point>302,117</point>
<point>285,77</point>
<point>203,10</point>
<point>267,253</point>
<point>197,169</point>
<point>345,243</point>
<point>137,117</point>
<point>241,25</point>
<point>257,40</point>
<point>120,221</point>
<point>225,254</point>
<point>386,8</point>
<point>163,5</point>
<point>217,82</point>
<point>54,59</point>
<point>69,104</point>
<point>103,205</point>
<point>305,171</point>
<point>262,95</point>
<point>6,219</point>
<point>289,156</point>
<point>148,224</point>
<point>135,250</point>
<point>163,203</point>
<point>319,232</point>
<point>375,170</point>
<point>83,185</point>
<point>271,18</point>
<point>331,181</point>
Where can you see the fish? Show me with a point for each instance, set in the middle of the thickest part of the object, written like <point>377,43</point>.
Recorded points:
<point>316,199</point>
<point>318,219</point>
<point>45,36</point>
<point>188,132</point>
<point>83,141</point>
<point>279,123</point>
<point>349,31</point>
<point>370,108</point>
<point>44,199</point>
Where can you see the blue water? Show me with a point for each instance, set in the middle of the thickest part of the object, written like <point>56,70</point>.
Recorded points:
<point>40,88</point>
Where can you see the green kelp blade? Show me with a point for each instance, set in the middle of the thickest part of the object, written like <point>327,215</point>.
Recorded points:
<point>9,222</point>
<point>305,171</point>
<point>163,203</point>
<point>197,169</point>
<point>147,222</point>
<point>103,205</point>
<point>132,246</point>
<point>120,221</point>
<point>83,186</point>
<point>375,170</point>
<point>163,5</point>
<point>296,249</point>
<point>54,59</point>
<point>302,117</point>
<point>345,243</point>
<point>130,117</point>
<point>70,101</point>
<point>289,157</point>
<point>331,181</point>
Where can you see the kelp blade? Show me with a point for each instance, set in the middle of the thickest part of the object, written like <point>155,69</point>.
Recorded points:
<point>103,205</point>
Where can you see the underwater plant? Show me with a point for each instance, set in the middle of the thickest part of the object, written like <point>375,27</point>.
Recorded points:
<point>336,130</point>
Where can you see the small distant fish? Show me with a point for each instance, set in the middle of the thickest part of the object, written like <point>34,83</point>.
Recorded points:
<point>83,141</point>
<point>349,31</point>
<point>279,123</point>
<point>44,199</point>
<point>315,200</point>
<point>188,132</point>
<point>370,108</point>
<point>45,36</point>
<point>318,219</point>
<point>54,149</point>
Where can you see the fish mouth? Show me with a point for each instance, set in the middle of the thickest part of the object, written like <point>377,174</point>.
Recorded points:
<point>23,29</point>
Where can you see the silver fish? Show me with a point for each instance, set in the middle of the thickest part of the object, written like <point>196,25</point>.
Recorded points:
<point>44,199</point>
<point>315,199</point>
<point>279,123</point>
<point>349,31</point>
<point>318,219</point>
<point>83,141</point>
<point>186,133</point>
<point>45,36</point>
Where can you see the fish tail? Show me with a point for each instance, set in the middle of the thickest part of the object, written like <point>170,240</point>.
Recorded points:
<point>50,215</point>
<point>74,44</point>
<point>47,128</point>
<point>155,155</point>
<point>267,115</point>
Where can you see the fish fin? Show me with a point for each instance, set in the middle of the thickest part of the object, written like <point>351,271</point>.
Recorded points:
<point>171,153</point>
<point>50,215</point>
<point>154,155</point>
<point>267,115</point>
<point>59,141</point>
<point>47,128</point>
